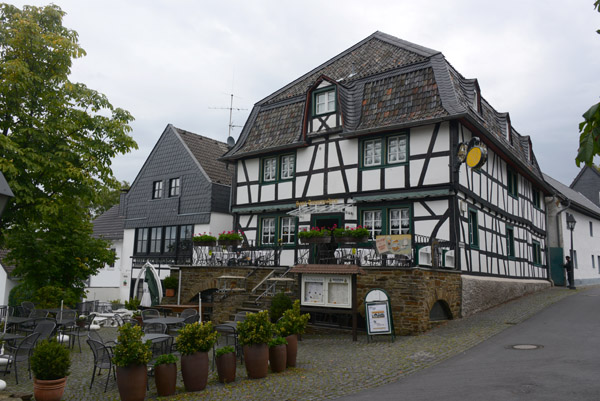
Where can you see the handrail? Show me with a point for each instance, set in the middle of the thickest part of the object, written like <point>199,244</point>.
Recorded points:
<point>271,286</point>
<point>262,281</point>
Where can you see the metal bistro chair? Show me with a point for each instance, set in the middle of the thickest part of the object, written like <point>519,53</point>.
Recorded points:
<point>158,328</point>
<point>103,355</point>
<point>227,336</point>
<point>150,314</point>
<point>29,306</point>
<point>19,353</point>
<point>45,328</point>
<point>77,332</point>
<point>188,320</point>
<point>188,312</point>
<point>34,315</point>
<point>93,335</point>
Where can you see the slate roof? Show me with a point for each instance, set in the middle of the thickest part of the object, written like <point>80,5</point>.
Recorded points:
<point>109,225</point>
<point>207,151</point>
<point>383,83</point>
<point>576,197</point>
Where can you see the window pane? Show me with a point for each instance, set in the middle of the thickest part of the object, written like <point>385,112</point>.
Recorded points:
<point>174,187</point>
<point>399,221</point>
<point>170,239</point>
<point>185,238</point>
<point>288,230</point>
<point>157,190</point>
<point>372,222</point>
<point>287,166</point>
<point>142,240</point>
<point>396,149</point>
<point>268,231</point>
<point>155,239</point>
<point>270,169</point>
<point>372,153</point>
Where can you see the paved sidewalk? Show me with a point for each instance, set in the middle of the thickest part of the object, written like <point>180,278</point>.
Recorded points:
<point>331,366</point>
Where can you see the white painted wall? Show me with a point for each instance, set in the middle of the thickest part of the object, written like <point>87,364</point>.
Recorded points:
<point>6,285</point>
<point>584,244</point>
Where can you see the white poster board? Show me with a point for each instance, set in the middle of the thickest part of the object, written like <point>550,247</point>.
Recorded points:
<point>378,313</point>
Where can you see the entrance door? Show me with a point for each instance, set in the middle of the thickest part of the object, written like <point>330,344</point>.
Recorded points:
<point>325,253</point>
<point>557,271</point>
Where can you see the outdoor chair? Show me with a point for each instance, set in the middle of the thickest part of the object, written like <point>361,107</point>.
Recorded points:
<point>93,335</point>
<point>45,328</point>
<point>158,328</point>
<point>131,321</point>
<point>188,320</point>
<point>150,314</point>
<point>29,306</point>
<point>19,352</point>
<point>188,312</point>
<point>240,316</point>
<point>119,319</point>
<point>76,332</point>
<point>103,355</point>
<point>35,315</point>
<point>227,336</point>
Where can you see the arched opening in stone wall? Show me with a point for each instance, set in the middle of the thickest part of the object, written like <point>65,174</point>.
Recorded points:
<point>440,311</point>
<point>207,302</point>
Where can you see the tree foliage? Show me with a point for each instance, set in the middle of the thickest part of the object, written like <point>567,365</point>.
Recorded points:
<point>107,198</point>
<point>589,129</point>
<point>57,139</point>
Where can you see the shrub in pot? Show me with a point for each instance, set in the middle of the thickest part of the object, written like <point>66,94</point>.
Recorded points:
<point>226,364</point>
<point>193,342</point>
<point>277,354</point>
<point>165,374</point>
<point>289,326</point>
<point>131,356</point>
<point>254,333</point>
<point>279,304</point>
<point>50,363</point>
<point>171,284</point>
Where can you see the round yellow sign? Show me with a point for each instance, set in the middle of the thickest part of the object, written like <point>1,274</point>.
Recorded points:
<point>474,157</point>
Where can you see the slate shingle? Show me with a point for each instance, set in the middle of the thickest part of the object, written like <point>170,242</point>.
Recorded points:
<point>207,151</point>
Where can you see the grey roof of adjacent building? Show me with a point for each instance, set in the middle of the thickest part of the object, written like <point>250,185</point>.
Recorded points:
<point>588,183</point>
<point>581,201</point>
<point>109,225</point>
<point>383,83</point>
<point>8,268</point>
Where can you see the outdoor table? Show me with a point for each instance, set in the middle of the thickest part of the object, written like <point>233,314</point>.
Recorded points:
<point>232,283</point>
<point>153,336</point>
<point>166,320</point>
<point>10,336</point>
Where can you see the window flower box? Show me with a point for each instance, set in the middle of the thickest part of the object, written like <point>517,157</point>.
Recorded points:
<point>231,238</point>
<point>351,235</point>
<point>315,235</point>
<point>204,240</point>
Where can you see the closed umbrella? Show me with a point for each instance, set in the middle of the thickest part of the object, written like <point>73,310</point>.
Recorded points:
<point>152,286</point>
<point>146,299</point>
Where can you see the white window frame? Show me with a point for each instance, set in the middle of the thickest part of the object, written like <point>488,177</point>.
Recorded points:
<point>403,219</point>
<point>371,150</point>
<point>288,166</point>
<point>325,102</point>
<point>268,235</point>
<point>326,281</point>
<point>370,219</point>
<point>287,230</point>
<point>399,151</point>
<point>270,169</point>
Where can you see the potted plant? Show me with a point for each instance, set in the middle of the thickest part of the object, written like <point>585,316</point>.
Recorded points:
<point>171,284</point>
<point>81,321</point>
<point>351,234</point>
<point>315,235</point>
<point>231,238</point>
<point>137,315</point>
<point>289,326</point>
<point>277,354</point>
<point>204,240</point>
<point>226,364</point>
<point>254,333</point>
<point>194,341</point>
<point>132,304</point>
<point>131,356</point>
<point>50,363</point>
<point>165,374</point>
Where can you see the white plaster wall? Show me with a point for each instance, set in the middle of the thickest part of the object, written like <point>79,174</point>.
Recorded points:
<point>332,156</point>
<point>128,244</point>
<point>303,157</point>
<point>240,172</point>
<point>419,139</point>
<point>6,285</point>
<point>242,195</point>
<point>320,159</point>
<point>267,193</point>
<point>424,227</point>
<point>287,257</point>
<point>219,222</point>
<point>442,143</point>
<point>285,190</point>
<point>416,166</point>
<point>300,183</point>
<point>335,183</point>
<point>315,188</point>
<point>349,149</point>
<point>584,244</point>
<point>394,177</point>
<point>371,180</point>
<point>352,177</point>
<point>253,167</point>
<point>110,276</point>
<point>253,193</point>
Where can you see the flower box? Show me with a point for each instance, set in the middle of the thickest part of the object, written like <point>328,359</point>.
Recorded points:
<point>230,242</point>
<point>315,240</point>
<point>351,240</point>
<point>205,243</point>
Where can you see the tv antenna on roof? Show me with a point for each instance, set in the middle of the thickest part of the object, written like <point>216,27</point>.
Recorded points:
<point>230,140</point>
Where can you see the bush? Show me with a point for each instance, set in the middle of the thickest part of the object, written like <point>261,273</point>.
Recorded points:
<point>171,282</point>
<point>196,337</point>
<point>19,293</point>
<point>165,359</point>
<point>231,236</point>
<point>292,322</point>
<point>279,304</point>
<point>50,297</point>
<point>255,329</point>
<point>132,304</point>
<point>228,349</point>
<point>354,232</point>
<point>50,360</point>
<point>277,341</point>
<point>200,238</point>
<point>130,350</point>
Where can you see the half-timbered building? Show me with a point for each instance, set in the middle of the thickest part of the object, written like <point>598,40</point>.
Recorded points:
<point>371,138</point>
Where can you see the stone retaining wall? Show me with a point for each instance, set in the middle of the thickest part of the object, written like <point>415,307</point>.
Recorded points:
<point>481,292</point>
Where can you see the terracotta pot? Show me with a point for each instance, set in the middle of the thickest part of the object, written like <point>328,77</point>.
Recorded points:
<point>194,369</point>
<point>278,358</point>
<point>292,349</point>
<point>256,359</point>
<point>226,365</point>
<point>49,390</point>
<point>170,292</point>
<point>140,321</point>
<point>132,381</point>
<point>165,377</point>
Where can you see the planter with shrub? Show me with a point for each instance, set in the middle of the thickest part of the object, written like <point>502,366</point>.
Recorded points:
<point>193,342</point>
<point>171,283</point>
<point>254,333</point>
<point>277,354</point>
<point>50,363</point>
<point>165,374</point>
<point>131,356</point>
<point>226,364</point>
<point>291,324</point>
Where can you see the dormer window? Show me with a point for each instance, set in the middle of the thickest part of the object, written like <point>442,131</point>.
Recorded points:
<point>324,101</point>
<point>157,189</point>
<point>174,187</point>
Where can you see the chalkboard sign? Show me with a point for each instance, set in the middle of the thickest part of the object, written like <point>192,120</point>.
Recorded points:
<point>378,313</point>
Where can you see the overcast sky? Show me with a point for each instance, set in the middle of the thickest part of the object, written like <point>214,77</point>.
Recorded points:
<point>176,61</point>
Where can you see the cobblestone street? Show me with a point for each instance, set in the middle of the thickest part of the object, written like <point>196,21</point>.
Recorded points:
<point>329,366</point>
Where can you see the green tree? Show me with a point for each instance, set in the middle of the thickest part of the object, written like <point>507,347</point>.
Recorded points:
<point>589,138</point>
<point>57,139</point>
<point>107,198</point>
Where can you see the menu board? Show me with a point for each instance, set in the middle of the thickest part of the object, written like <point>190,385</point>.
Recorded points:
<point>394,244</point>
<point>378,318</point>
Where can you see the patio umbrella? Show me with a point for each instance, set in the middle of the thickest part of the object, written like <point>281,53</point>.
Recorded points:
<point>152,285</point>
